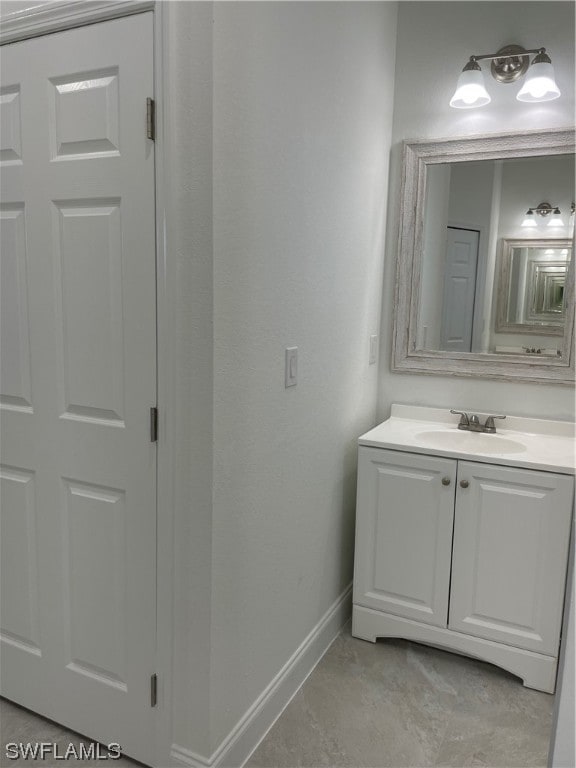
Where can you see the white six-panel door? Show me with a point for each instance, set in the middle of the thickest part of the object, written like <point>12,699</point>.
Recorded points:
<point>459,289</point>
<point>78,378</point>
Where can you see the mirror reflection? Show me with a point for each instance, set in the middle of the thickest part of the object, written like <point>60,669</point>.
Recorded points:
<point>531,296</point>
<point>493,275</point>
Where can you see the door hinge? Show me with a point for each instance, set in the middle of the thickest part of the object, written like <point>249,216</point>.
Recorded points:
<point>153,690</point>
<point>151,118</point>
<point>154,425</point>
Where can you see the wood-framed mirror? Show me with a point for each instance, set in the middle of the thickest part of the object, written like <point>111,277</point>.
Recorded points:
<point>464,203</point>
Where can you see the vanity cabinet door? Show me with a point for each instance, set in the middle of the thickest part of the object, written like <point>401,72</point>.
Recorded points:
<point>511,534</point>
<point>404,522</point>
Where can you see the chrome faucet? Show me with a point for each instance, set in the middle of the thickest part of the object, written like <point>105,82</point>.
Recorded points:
<point>489,425</point>
<point>472,423</point>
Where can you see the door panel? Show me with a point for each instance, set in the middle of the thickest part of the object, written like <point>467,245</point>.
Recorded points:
<point>89,308</point>
<point>78,377</point>
<point>14,316</point>
<point>459,289</point>
<point>10,126</point>
<point>94,531</point>
<point>19,583</point>
<point>84,115</point>
<point>511,534</point>
<point>404,534</point>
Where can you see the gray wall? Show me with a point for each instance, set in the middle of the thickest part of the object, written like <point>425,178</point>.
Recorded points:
<point>280,115</point>
<point>302,121</point>
<point>434,42</point>
<point>188,207</point>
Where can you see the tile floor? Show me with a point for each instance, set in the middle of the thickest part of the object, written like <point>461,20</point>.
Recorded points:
<point>20,725</point>
<point>392,703</point>
<point>398,704</point>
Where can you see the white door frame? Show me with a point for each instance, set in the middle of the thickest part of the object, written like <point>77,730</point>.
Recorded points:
<point>57,16</point>
<point>481,267</point>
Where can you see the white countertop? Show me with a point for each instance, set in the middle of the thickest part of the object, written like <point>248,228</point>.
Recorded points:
<point>540,444</point>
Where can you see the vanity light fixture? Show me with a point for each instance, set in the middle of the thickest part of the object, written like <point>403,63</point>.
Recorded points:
<point>508,64</point>
<point>544,210</point>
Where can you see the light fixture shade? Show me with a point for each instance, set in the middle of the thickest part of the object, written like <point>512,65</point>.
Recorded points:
<point>540,84</point>
<point>470,91</point>
<point>529,219</point>
<point>556,221</point>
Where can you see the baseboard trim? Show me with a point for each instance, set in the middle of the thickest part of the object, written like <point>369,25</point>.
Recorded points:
<point>180,756</point>
<point>247,734</point>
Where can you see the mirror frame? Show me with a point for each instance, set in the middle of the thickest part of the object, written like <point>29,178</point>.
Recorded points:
<point>406,357</point>
<point>503,267</point>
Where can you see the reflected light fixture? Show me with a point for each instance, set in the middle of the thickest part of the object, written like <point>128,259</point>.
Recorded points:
<point>544,210</point>
<point>507,65</point>
<point>556,219</point>
<point>529,219</point>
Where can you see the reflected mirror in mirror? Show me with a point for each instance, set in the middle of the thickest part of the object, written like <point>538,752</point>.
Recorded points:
<point>531,295</point>
<point>493,277</point>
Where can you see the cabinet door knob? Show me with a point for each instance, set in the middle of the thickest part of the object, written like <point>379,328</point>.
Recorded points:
<point>445,481</point>
<point>464,483</point>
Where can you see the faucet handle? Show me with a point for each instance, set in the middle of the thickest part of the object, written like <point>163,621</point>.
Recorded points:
<point>489,426</point>
<point>464,420</point>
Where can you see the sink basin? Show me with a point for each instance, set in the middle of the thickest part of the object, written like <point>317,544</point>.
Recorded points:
<point>537,444</point>
<point>469,441</point>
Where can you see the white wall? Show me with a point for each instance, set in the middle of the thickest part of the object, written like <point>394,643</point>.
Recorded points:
<point>438,186</point>
<point>188,208</point>
<point>279,116</point>
<point>471,207</point>
<point>434,42</point>
<point>302,124</point>
<point>540,179</point>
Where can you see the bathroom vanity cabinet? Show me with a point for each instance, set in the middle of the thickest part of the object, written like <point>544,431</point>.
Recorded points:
<point>463,555</point>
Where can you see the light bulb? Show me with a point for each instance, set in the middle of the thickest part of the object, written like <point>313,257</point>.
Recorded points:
<point>540,83</point>
<point>529,220</point>
<point>556,220</point>
<point>470,90</point>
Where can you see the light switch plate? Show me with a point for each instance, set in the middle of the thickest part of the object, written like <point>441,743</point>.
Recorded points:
<point>291,367</point>
<point>373,349</point>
